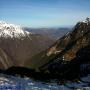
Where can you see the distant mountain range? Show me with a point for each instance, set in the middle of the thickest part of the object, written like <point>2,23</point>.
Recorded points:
<point>54,33</point>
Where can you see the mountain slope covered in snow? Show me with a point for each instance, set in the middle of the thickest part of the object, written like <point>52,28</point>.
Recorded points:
<point>11,30</point>
<point>20,45</point>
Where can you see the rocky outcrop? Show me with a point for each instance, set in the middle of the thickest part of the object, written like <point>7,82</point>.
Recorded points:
<point>78,32</point>
<point>79,66</point>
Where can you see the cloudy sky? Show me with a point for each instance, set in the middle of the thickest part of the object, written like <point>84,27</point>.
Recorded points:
<point>44,13</point>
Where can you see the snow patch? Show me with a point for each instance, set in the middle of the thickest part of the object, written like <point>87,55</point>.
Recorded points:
<point>11,30</point>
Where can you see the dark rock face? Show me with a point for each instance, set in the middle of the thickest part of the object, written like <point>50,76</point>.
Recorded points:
<point>79,66</point>
<point>79,37</point>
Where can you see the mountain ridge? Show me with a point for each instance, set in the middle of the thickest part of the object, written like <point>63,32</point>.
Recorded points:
<point>67,46</point>
<point>11,30</point>
<point>54,33</point>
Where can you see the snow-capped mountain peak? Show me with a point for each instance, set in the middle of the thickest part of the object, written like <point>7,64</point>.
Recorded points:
<point>11,30</point>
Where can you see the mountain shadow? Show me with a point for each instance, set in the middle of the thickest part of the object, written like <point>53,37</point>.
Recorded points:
<point>79,66</point>
<point>76,68</point>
